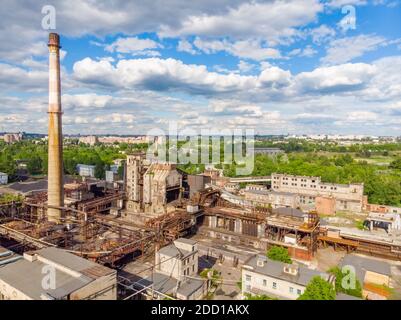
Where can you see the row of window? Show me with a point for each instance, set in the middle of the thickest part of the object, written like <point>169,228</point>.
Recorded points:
<point>274,285</point>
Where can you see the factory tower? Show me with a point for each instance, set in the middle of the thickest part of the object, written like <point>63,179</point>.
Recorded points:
<point>55,166</point>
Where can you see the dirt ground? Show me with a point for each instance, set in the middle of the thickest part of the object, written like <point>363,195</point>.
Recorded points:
<point>327,258</point>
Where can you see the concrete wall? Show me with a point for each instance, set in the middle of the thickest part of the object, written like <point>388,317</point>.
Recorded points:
<point>8,292</point>
<point>103,288</point>
<point>325,205</point>
<point>176,267</point>
<point>376,278</point>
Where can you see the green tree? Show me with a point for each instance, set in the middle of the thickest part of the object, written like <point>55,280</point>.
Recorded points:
<point>356,291</point>
<point>279,254</point>
<point>99,170</point>
<point>34,164</point>
<point>396,164</point>
<point>318,289</point>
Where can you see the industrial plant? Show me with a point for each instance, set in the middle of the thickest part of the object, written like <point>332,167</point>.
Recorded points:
<point>90,230</point>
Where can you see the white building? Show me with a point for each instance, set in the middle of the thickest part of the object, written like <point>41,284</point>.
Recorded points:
<point>179,259</point>
<point>176,272</point>
<point>55,274</point>
<point>261,275</point>
<point>348,197</point>
<point>85,170</point>
<point>3,178</point>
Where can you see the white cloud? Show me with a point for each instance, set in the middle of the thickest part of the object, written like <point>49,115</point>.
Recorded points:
<point>246,49</point>
<point>185,46</point>
<point>322,34</point>
<point>308,52</point>
<point>135,46</point>
<point>336,78</point>
<point>158,74</point>
<point>346,49</point>
<point>341,3</point>
<point>244,66</point>
<point>90,100</point>
<point>274,21</point>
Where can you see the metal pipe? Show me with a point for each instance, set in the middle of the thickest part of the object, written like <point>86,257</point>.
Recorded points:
<point>13,259</point>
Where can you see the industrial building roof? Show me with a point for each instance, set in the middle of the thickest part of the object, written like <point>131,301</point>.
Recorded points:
<point>190,286</point>
<point>362,264</point>
<point>186,241</point>
<point>275,269</point>
<point>37,185</point>
<point>289,212</point>
<point>172,251</point>
<point>166,284</point>
<point>161,282</point>
<point>27,278</point>
<point>66,259</point>
<point>269,191</point>
<point>71,273</point>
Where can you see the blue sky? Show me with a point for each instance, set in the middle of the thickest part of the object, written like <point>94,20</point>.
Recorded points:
<point>278,67</point>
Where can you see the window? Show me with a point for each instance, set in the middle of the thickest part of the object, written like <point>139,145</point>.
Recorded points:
<point>248,277</point>
<point>291,290</point>
<point>193,268</point>
<point>299,292</point>
<point>248,287</point>
<point>264,283</point>
<point>274,285</point>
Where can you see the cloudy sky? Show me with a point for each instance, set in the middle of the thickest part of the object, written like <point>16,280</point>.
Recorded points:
<point>301,66</point>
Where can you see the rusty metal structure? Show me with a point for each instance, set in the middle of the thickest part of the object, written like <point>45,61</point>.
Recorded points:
<point>303,230</point>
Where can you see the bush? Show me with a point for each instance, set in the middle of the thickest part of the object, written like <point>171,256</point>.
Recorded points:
<point>356,292</point>
<point>318,289</point>
<point>279,254</point>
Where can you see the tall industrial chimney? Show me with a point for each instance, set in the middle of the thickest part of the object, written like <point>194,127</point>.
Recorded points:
<point>55,168</point>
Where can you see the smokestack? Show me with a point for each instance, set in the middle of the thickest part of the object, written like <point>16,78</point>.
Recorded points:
<point>55,184</point>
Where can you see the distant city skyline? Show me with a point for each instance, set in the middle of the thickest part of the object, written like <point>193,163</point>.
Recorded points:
<point>278,67</point>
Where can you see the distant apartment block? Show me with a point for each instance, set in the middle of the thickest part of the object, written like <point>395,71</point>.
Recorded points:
<point>74,278</point>
<point>12,137</point>
<point>85,170</point>
<point>347,197</point>
<point>262,276</point>
<point>91,140</point>
<point>3,178</point>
